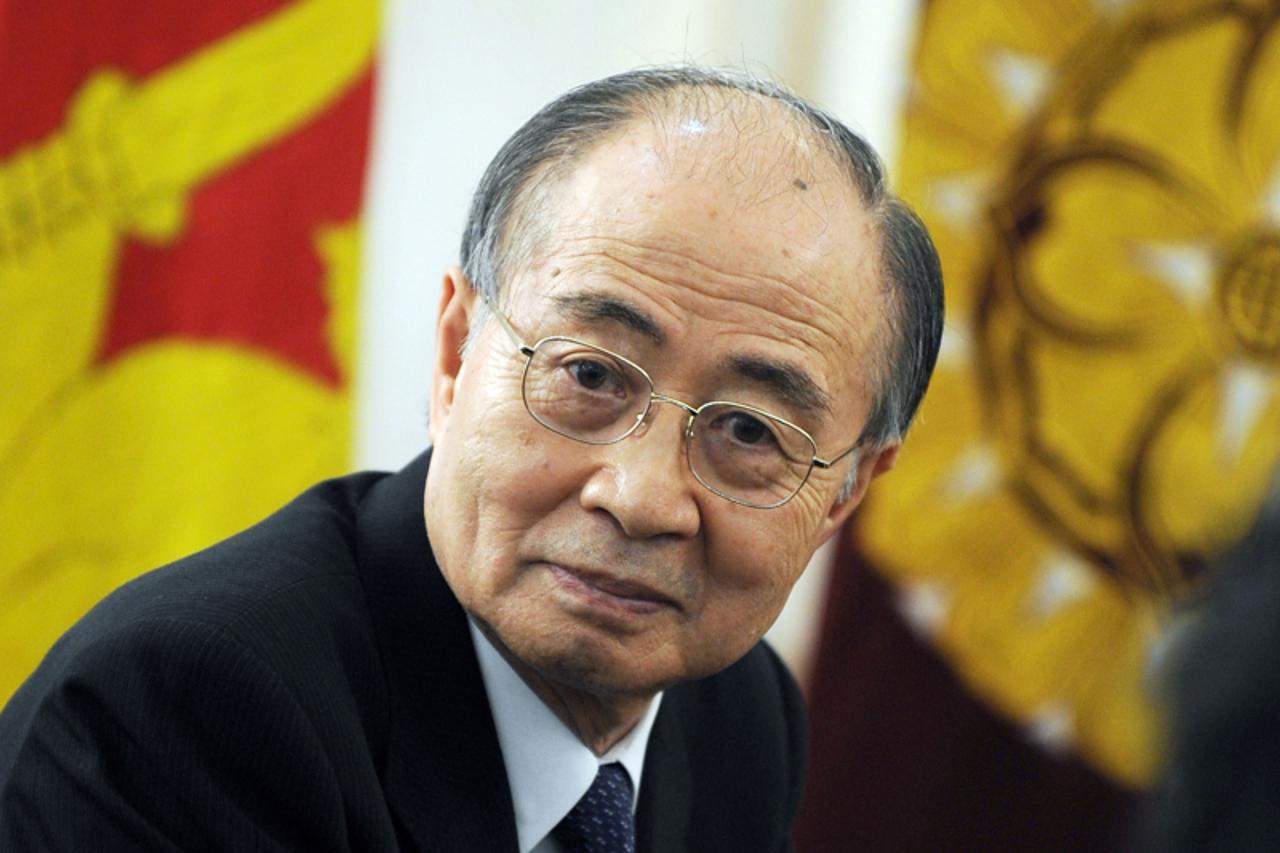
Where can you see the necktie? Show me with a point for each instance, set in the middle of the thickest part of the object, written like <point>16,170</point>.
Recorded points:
<point>601,822</point>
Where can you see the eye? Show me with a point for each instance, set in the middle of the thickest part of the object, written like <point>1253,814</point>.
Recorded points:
<point>749,430</point>
<point>593,375</point>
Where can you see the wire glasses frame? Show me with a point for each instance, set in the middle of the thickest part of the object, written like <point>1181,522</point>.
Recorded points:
<point>810,459</point>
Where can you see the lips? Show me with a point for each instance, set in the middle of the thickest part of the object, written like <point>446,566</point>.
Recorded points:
<point>606,590</point>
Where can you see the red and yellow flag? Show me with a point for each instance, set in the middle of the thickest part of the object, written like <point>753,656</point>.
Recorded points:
<point>180,193</point>
<point>1103,181</point>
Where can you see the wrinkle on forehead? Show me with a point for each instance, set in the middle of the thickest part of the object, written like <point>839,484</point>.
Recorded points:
<point>649,205</point>
<point>682,283</point>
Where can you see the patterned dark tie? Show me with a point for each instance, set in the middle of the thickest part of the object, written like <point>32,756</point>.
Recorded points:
<point>601,822</point>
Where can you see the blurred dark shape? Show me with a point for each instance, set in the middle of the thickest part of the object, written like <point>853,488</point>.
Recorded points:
<point>1221,790</point>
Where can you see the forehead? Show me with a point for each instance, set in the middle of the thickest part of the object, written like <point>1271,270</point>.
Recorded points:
<point>743,233</point>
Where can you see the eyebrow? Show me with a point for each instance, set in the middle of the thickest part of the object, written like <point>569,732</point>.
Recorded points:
<point>791,383</point>
<point>595,307</point>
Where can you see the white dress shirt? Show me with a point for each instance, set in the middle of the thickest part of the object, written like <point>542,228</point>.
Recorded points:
<point>548,767</point>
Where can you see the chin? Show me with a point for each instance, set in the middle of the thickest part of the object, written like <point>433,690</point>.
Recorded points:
<point>595,666</point>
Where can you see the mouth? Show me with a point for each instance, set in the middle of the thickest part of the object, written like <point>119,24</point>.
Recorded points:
<point>606,591</point>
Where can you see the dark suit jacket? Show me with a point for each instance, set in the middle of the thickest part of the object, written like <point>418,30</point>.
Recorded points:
<point>310,685</point>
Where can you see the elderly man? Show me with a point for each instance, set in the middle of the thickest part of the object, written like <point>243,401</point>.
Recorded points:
<point>691,327</point>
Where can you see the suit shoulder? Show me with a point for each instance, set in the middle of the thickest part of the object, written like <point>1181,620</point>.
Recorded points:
<point>755,704</point>
<point>745,733</point>
<point>286,593</point>
<point>128,729</point>
<point>310,539</point>
<point>760,682</point>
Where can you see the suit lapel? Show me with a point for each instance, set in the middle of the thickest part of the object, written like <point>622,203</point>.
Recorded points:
<point>444,779</point>
<point>666,788</point>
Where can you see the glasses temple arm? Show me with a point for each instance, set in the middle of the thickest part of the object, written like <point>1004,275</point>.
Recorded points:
<point>506,326</point>
<point>827,463</point>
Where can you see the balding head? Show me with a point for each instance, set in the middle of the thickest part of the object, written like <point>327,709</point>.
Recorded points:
<point>514,205</point>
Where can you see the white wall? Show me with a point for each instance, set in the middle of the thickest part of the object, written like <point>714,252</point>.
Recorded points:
<point>457,78</point>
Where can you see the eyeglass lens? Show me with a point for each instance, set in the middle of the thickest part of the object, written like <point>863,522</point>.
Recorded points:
<point>589,394</point>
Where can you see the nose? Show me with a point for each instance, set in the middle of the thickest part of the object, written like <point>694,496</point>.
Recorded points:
<point>644,481</point>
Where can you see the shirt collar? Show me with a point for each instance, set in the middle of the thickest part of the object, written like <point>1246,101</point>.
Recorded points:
<point>548,768</point>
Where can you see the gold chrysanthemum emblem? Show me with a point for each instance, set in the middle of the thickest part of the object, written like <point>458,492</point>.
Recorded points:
<point>1103,180</point>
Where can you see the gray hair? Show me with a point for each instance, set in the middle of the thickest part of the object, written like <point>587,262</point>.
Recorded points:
<point>554,140</point>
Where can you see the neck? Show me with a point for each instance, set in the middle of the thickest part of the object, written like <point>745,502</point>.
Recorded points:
<point>598,720</point>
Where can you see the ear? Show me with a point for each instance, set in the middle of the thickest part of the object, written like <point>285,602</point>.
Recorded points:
<point>871,464</point>
<point>453,324</point>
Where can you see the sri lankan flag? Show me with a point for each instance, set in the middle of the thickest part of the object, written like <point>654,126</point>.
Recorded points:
<point>180,192</point>
<point>1103,181</point>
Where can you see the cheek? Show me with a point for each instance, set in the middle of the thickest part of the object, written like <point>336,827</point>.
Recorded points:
<point>763,550</point>
<point>520,469</point>
<point>490,438</point>
<point>486,469</point>
<point>512,482</point>
<point>515,474</point>
<point>753,572</point>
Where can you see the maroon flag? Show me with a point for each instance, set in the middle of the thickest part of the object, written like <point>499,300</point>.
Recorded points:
<point>1103,182</point>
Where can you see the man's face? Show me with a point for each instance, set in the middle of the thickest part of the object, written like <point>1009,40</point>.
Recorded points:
<point>611,569</point>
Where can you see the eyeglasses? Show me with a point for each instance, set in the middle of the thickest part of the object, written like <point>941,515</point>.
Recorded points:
<point>589,394</point>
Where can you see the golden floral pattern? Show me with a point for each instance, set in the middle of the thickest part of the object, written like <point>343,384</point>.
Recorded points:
<point>1103,180</point>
